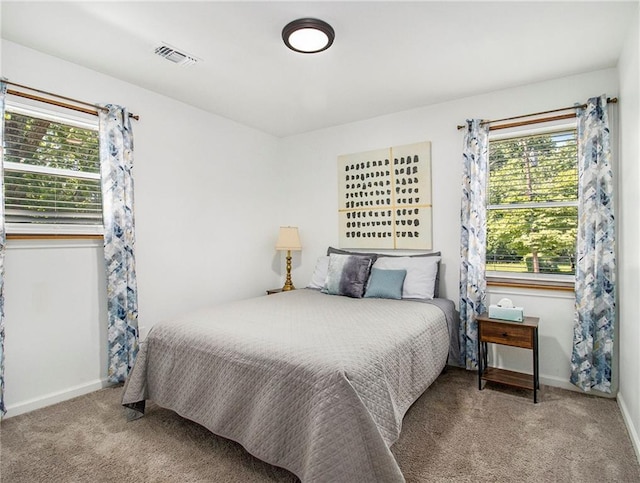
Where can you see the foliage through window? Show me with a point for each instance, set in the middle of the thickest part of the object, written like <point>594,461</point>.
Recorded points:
<point>532,212</point>
<point>51,173</point>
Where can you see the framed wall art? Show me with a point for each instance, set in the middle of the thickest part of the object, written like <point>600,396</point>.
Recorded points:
<point>385,198</point>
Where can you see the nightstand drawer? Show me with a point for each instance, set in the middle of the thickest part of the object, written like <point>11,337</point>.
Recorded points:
<point>506,334</point>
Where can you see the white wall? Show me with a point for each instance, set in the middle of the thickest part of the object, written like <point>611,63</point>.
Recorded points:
<point>198,239</point>
<point>310,161</point>
<point>629,236</point>
<point>55,322</point>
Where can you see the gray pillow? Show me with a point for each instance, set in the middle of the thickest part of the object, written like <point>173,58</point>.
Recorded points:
<point>347,275</point>
<point>338,251</point>
<point>374,256</point>
<point>385,284</point>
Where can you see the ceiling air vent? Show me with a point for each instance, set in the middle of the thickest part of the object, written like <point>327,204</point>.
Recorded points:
<point>175,56</point>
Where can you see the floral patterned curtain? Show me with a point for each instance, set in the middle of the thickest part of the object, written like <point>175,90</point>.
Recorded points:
<point>473,284</point>
<point>116,160</point>
<point>3,93</point>
<point>596,262</point>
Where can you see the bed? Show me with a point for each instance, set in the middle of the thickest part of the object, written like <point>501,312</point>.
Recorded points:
<point>309,381</point>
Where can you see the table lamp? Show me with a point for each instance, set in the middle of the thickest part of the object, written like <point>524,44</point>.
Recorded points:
<point>288,239</point>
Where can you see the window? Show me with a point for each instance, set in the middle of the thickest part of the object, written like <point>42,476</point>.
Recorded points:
<point>532,211</point>
<point>51,173</point>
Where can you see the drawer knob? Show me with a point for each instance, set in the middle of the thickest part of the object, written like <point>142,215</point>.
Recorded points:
<point>505,334</point>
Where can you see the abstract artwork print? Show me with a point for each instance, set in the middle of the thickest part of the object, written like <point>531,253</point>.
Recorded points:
<point>385,198</point>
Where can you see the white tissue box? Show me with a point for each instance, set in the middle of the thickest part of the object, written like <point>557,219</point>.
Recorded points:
<point>514,314</point>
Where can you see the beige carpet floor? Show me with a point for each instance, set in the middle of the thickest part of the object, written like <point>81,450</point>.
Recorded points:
<point>453,433</point>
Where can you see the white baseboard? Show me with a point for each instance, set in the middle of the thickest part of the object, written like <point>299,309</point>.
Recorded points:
<point>55,397</point>
<point>633,432</point>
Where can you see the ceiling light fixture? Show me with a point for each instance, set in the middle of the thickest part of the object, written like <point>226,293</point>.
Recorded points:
<point>308,35</point>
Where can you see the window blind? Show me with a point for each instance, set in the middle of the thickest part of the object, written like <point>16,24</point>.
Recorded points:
<point>51,171</point>
<point>532,203</point>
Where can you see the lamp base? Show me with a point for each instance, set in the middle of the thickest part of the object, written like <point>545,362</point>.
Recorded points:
<point>287,284</point>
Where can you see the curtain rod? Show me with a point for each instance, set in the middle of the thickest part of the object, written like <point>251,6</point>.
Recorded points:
<point>56,103</point>
<point>610,100</point>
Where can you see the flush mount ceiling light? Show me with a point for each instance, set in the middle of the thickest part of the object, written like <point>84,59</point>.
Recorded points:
<point>308,35</point>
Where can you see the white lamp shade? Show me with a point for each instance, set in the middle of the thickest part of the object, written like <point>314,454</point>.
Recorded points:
<point>288,239</point>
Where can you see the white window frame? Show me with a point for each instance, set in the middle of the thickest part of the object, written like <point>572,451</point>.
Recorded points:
<point>66,117</point>
<point>539,279</point>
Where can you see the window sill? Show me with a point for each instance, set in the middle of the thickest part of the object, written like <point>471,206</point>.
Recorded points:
<point>53,231</point>
<point>536,284</point>
<point>51,236</point>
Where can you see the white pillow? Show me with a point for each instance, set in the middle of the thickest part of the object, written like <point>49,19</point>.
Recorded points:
<point>420,281</point>
<point>319,273</point>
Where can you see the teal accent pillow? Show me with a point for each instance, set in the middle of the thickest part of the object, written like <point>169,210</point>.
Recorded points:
<point>385,284</point>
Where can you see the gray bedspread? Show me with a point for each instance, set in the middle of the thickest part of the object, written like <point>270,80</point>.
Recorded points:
<point>314,383</point>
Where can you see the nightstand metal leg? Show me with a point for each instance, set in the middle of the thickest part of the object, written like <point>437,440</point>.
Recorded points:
<point>480,363</point>
<point>536,380</point>
<point>485,352</point>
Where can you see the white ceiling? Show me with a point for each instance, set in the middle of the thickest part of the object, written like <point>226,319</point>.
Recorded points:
<point>387,56</point>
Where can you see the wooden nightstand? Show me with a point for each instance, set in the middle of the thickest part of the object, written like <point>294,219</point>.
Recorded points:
<point>516,334</point>
<point>274,290</point>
